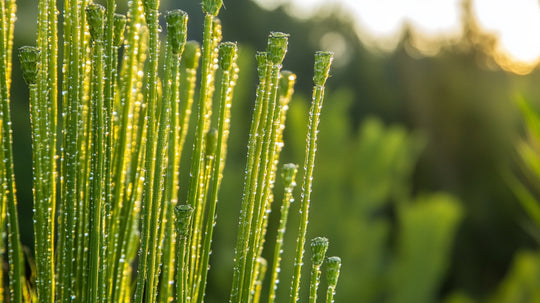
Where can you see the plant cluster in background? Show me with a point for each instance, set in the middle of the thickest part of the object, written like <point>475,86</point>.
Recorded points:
<point>107,139</point>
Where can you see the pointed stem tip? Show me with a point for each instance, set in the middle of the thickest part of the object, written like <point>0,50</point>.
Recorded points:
<point>288,174</point>
<point>29,58</point>
<point>227,53</point>
<point>177,30</point>
<point>183,217</point>
<point>192,54</point>
<point>119,27</point>
<point>95,14</point>
<point>319,246</point>
<point>323,60</point>
<point>211,7</point>
<point>333,266</point>
<point>277,47</point>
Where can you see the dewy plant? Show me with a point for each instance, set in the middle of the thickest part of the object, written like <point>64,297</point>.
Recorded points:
<point>108,134</point>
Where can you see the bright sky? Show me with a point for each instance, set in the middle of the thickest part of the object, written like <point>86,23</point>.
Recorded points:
<point>516,23</point>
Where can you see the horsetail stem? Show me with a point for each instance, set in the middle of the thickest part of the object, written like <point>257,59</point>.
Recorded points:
<point>95,16</point>
<point>333,265</point>
<point>276,49</point>
<point>288,175</point>
<point>145,289</point>
<point>260,272</point>
<point>323,61</point>
<point>246,211</point>
<point>183,215</point>
<point>227,58</point>
<point>176,40</point>
<point>29,57</point>
<point>319,246</point>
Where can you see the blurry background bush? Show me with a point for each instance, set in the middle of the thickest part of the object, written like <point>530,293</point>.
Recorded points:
<point>411,180</point>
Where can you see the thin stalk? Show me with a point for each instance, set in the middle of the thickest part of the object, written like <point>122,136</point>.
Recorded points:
<point>196,190</point>
<point>116,179</point>
<point>16,276</point>
<point>288,176</point>
<point>260,270</point>
<point>227,58</point>
<point>176,38</point>
<point>277,47</point>
<point>29,57</point>
<point>246,209</point>
<point>128,151</point>
<point>322,67</point>
<point>183,215</point>
<point>80,274</point>
<point>70,159</point>
<point>95,15</point>
<point>108,101</point>
<point>145,278</point>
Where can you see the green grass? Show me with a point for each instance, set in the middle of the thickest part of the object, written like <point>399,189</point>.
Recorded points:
<point>108,219</point>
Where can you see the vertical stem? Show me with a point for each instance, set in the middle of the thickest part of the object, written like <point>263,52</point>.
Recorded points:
<point>95,15</point>
<point>16,275</point>
<point>183,215</point>
<point>322,66</point>
<point>319,246</point>
<point>288,174</point>
<point>197,171</point>
<point>176,39</point>
<point>333,266</point>
<point>260,270</point>
<point>246,211</point>
<point>70,159</point>
<point>146,259</point>
<point>227,58</point>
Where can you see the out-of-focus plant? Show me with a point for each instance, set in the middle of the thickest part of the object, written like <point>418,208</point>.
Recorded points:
<point>397,244</point>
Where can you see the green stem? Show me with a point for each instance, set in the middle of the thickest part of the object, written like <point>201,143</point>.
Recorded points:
<point>333,266</point>
<point>16,275</point>
<point>145,279</point>
<point>246,208</point>
<point>183,214</point>
<point>196,190</point>
<point>319,246</point>
<point>95,14</point>
<point>289,173</point>
<point>322,66</point>
<point>71,165</point>
<point>227,59</point>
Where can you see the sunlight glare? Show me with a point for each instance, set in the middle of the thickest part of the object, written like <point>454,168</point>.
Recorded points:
<point>515,23</point>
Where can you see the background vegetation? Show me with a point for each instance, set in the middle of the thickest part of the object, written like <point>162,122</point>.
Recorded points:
<point>410,182</point>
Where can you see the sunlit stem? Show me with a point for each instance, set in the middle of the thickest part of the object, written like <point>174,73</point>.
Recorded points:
<point>183,215</point>
<point>277,47</point>
<point>95,16</point>
<point>260,271</point>
<point>323,61</point>
<point>288,174</point>
<point>246,211</point>
<point>70,158</point>
<point>29,57</point>
<point>176,40</point>
<point>197,185</point>
<point>227,58</point>
<point>150,205</point>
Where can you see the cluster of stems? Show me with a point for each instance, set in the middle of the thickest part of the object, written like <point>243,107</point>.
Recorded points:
<point>106,149</point>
